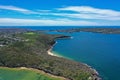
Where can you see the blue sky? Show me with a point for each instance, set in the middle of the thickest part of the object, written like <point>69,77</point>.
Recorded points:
<point>59,12</point>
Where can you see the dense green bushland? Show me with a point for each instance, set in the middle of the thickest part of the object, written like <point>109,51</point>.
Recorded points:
<point>31,51</point>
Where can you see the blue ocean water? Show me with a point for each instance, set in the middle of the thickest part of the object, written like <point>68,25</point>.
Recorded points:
<point>101,51</point>
<point>56,27</point>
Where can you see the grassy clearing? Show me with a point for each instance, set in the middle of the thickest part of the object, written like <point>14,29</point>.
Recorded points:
<point>24,74</point>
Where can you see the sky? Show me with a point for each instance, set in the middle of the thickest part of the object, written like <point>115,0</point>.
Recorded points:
<point>59,12</point>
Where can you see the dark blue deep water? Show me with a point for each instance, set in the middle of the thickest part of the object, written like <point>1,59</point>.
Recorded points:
<point>101,51</point>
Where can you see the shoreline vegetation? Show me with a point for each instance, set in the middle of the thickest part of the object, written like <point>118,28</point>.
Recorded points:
<point>32,49</point>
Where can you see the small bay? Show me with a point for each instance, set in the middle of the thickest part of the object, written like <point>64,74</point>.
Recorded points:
<point>101,51</point>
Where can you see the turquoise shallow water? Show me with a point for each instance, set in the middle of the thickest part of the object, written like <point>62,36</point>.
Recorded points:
<point>101,51</point>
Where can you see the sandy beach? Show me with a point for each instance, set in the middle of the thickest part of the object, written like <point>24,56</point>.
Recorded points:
<point>50,51</point>
<point>52,54</point>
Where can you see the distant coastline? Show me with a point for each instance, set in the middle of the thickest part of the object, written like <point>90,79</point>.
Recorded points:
<point>93,30</point>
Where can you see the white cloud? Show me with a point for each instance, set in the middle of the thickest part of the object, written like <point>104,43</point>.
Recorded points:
<point>88,9</point>
<point>67,16</point>
<point>86,12</point>
<point>14,8</point>
<point>46,22</point>
<point>89,16</point>
<point>83,12</point>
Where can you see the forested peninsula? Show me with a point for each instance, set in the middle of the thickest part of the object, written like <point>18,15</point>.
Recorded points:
<point>26,48</point>
<point>93,30</point>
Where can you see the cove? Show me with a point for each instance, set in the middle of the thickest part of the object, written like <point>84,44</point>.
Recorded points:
<point>101,51</point>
